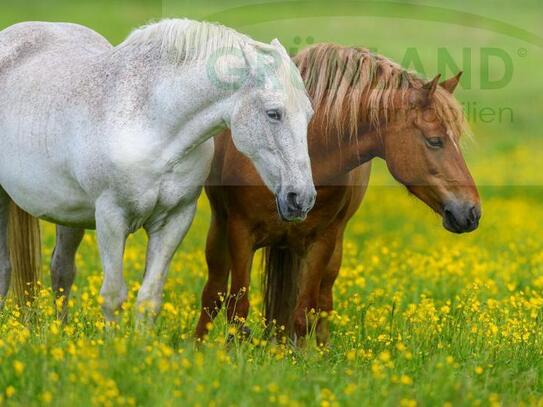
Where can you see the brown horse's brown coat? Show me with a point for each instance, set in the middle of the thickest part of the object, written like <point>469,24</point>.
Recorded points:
<point>365,106</point>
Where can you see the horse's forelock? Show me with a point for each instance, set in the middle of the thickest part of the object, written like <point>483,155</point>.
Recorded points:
<point>450,114</point>
<point>288,76</point>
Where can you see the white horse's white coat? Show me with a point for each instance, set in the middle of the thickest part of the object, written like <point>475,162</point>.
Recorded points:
<point>119,138</point>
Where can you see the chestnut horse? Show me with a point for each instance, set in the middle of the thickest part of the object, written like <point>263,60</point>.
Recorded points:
<point>365,106</point>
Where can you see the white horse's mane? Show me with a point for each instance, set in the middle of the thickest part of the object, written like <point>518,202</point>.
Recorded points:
<point>187,41</point>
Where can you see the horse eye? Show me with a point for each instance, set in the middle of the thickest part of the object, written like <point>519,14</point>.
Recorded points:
<point>435,142</point>
<point>274,114</point>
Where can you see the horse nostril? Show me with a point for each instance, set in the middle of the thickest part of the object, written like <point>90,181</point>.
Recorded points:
<point>292,200</point>
<point>473,215</point>
<point>451,219</point>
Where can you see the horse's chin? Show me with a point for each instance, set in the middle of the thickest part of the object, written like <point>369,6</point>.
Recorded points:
<point>292,218</point>
<point>452,228</point>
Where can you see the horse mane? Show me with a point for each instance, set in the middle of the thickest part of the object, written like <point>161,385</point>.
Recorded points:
<point>187,41</point>
<point>349,86</point>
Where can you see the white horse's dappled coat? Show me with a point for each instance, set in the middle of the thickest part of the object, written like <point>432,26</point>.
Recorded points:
<point>118,138</point>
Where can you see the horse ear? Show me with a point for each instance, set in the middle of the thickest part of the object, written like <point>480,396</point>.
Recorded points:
<point>277,44</point>
<point>250,58</point>
<point>450,84</point>
<point>431,86</point>
<point>422,96</point>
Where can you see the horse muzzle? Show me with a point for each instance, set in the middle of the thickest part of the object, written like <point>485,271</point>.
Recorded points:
<point>293,204</point>
<point>461,217</point>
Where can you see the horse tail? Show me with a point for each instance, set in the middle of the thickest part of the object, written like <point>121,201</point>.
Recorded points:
<point>282,272</point>
<point>25,253</point>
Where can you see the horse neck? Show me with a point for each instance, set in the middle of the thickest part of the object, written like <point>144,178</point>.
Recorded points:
<point>335,154</point>
<point>182,105</point>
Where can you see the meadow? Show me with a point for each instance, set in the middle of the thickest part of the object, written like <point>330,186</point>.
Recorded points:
<point>422,317</point>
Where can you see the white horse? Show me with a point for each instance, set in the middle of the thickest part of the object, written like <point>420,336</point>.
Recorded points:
<point>119,138</point>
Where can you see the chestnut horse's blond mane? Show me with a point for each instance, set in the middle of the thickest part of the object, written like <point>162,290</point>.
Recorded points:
<point>350,86</point>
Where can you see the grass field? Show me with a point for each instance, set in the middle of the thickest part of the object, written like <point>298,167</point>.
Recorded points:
<point>423,317</point>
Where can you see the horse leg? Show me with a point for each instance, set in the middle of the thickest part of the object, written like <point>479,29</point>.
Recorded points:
<point>5,264</point>
<point>111,233</point>
<point>164,238</point>
<point>326,292</point>
<point>218,266</point>
<point>63,264</point>
<point>240,246</point>
<point>318,256</point>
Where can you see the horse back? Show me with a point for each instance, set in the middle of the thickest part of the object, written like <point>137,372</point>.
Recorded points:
<point>24,41</point>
